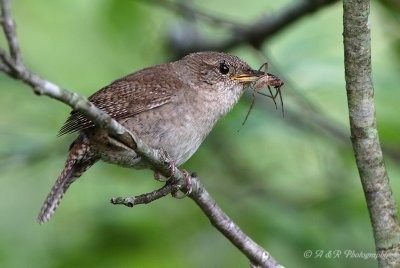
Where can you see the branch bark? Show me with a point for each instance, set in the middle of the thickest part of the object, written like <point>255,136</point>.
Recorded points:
<point>364,134</point>
<point>13,66</point>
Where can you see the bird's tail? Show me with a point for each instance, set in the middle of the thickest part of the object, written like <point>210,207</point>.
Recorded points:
<point>78,161</point>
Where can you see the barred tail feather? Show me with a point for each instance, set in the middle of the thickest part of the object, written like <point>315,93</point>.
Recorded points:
<point>57,192</point>
<point>78,162</point>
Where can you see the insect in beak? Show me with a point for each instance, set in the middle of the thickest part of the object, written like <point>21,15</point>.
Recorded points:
<point>266,81</point>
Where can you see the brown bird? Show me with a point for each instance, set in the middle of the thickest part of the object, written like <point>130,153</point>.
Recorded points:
<point>172,106</point>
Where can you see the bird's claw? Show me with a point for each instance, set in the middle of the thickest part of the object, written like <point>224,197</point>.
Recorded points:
<point>164,156</point>
<point>188,183</point>
<point>172,169</point>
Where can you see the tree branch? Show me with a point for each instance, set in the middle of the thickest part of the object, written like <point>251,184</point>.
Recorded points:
<point>144,198</point>
<point>5,69</point>
<point>8,25</point>
<point>255,33</point>
<point>14,67</point>
<point>364,134</point>
<point>256,254</point>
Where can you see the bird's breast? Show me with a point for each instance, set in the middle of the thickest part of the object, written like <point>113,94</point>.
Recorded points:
<point>178,127</point>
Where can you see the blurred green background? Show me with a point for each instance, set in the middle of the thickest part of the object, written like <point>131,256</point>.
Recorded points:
<point>290,182</point>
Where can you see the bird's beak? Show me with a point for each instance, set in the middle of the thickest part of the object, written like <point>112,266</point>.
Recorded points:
<point>249,76</point>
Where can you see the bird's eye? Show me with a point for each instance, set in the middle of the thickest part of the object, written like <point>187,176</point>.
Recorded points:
<point>223,68</point>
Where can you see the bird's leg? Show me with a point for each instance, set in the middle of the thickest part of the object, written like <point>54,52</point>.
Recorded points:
<point>171,166</point>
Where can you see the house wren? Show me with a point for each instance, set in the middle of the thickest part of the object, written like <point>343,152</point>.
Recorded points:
<point>172,106</point>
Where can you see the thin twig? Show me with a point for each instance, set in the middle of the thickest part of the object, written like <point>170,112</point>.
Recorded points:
<point>218,218</point>
<point>256,254</point>
<point>5,69</point>
<point>144,198</point>
<point>6,59</point>
<point>9,28</point>
<point>9,66</point>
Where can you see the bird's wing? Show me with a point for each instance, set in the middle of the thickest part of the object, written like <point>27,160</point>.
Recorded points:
<point>128,96</point>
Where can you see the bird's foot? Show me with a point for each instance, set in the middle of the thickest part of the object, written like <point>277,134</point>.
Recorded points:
<point>164,156</point>
<point>171,172</point>
<point>188,184</point>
